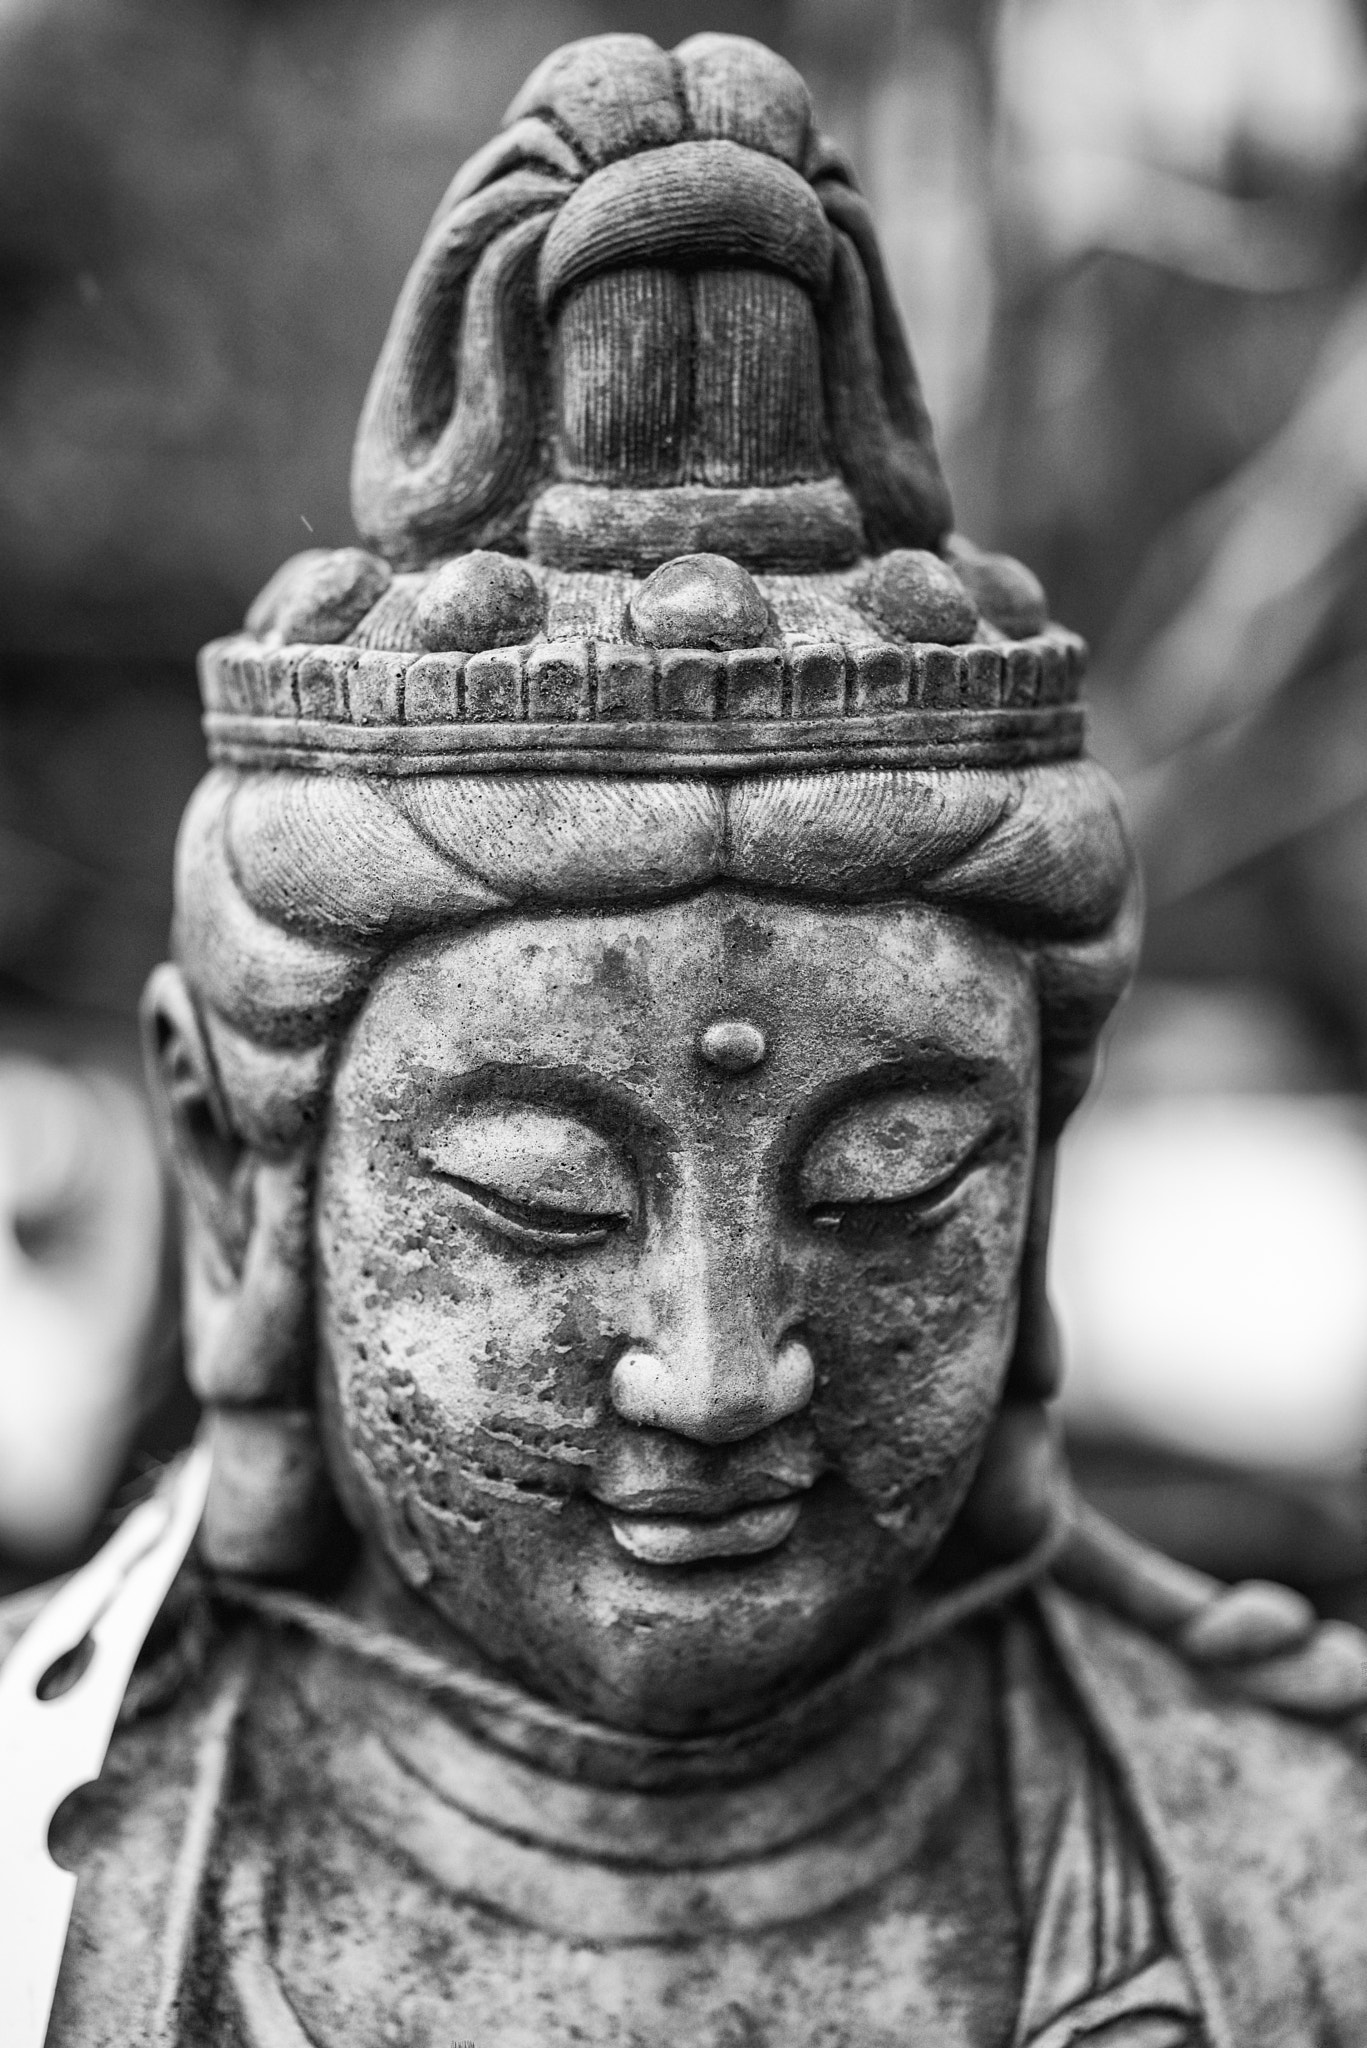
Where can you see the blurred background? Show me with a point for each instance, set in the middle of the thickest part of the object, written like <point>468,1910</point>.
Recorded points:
<point>1130,241</point>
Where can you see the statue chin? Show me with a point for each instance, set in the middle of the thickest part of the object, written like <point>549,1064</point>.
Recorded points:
<point>673,1652</point>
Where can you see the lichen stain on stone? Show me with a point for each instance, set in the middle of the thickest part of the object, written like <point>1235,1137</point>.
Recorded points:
<point>612,969</point>
<point>404,1436</point>
<point>744,938</point>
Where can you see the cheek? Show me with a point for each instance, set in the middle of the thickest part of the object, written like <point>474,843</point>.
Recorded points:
<point>463,1376</point>
<point>912,1341</point>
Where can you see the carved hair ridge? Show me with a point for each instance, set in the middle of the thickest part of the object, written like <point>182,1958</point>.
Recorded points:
<point>701,157</point>
<point>293,889</point>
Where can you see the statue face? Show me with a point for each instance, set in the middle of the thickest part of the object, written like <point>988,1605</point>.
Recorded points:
<point>668,1266</point>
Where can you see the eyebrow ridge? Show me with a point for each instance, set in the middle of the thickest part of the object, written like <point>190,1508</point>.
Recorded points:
<point>615,1110</point>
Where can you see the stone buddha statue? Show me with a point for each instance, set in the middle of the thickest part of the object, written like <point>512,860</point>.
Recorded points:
<point>646,924</point>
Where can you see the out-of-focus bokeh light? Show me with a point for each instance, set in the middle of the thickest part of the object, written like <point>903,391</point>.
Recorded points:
<point>80,1238</point>
<point>1209,1256</point>
<point>1113,101</point>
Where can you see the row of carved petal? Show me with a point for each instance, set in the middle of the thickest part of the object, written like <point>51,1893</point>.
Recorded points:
<point>486,599</point>
<point>584,681</point>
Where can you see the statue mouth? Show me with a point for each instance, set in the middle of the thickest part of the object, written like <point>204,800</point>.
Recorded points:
<point>678,1539</point>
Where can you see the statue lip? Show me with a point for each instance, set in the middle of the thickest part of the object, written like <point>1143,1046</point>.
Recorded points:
<point>679,1539</point>
<point>706,1503</point>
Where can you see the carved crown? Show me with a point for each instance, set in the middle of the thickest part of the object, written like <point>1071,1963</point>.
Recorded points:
<point>646,476</point>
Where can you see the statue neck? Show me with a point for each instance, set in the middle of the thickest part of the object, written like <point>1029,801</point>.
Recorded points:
<point>389,1628</point>
<point>916,1727</point>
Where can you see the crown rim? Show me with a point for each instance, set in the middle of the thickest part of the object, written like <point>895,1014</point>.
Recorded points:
<point>927,739</point>
<point>564,705</point>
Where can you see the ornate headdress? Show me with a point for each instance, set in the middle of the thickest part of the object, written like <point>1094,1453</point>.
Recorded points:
<point>648,475</point>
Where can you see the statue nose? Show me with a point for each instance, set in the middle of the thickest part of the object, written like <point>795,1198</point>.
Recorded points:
<point>713,1392</point>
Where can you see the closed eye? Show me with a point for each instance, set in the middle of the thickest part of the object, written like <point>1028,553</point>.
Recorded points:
<point>534,1175</point>
<point>540,1226</point>
<point>922,1209</point>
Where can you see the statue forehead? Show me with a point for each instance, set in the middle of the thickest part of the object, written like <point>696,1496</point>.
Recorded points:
<point>649,976</point>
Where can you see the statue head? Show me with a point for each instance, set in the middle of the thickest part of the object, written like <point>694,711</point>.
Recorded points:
<point>644,929</point>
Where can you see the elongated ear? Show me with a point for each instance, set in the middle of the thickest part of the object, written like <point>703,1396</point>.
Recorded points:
<point>245,1219</point>
<point>248,1280</point>
<point>211,1164</point>
<point>1037,1361</point>
<point>1021,1486</point>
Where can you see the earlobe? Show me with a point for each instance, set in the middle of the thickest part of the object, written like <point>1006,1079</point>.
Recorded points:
<point>1036,1363</point>
<point>1021,1486</point>
<point>247,1270</point>
<point>248,1281</point>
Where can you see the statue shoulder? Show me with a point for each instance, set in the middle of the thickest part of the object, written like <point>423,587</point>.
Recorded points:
<point>1255,1641</point>
<point>1234,1720</point>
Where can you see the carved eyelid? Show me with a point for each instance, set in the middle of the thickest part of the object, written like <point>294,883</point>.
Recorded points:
<point>533,1159</point>
<point>893,1148</point>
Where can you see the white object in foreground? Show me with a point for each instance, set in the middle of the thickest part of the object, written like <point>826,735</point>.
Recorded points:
<point>50,1747</point>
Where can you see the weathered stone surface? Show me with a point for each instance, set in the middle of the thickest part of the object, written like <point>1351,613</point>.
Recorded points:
<point>478,601</point>
<point>689,683</point>
<point>526,1509</point>
<point>700,601</point>
<point>1022,676</point>
<point>818,682</point>
<point>268,1493</point>
<point>432,689</point>
<point>754,684</point>
<point>593,526</point>
<point>559,681</point>
<point>916,596</point>
<point>732,1044</point>
<point>626,683</point>
<point>1004,590</point>
<point>319,595</point>
<point>322,687</point>
<point>880,678</point>
<point>493,684</point>
<point>376,688</point>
